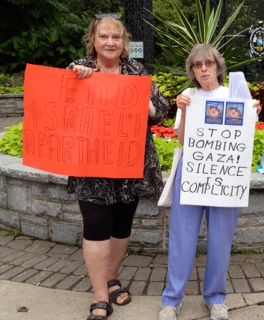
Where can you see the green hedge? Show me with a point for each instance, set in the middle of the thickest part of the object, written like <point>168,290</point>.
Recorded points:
<point>11,90</point>
<point>12,141</point>
<point>165,148</point>
<point>12,84</point>
<point>258,148</point>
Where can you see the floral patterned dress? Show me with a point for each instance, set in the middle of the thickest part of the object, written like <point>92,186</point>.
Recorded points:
<point>109,191</point>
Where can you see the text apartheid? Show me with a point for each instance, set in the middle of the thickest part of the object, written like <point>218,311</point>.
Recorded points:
<point>94,127</point>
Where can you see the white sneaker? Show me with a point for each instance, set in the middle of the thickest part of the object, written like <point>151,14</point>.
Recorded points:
<point>218,311</point>
<point>169,313</point>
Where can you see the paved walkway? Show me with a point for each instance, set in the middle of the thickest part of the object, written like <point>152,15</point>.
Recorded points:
<point>42,280</point>
<point>52,265</point>
<point>30,265</point>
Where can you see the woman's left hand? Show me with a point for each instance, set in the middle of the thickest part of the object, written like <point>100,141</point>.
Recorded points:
<point>257,105</point>
<point>83,72</point>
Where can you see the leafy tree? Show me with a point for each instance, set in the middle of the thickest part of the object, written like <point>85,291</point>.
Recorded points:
<point>91,7</point>
<point>24,15</point>
<point>179,36</point>
<point>44,32</point>
<point>164,10</point>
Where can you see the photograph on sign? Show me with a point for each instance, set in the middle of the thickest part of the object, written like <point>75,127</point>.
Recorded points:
<point>234,113</point>
<point>214,112</point>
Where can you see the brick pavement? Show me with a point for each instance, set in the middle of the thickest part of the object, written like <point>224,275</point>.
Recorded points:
<point>43,263</point>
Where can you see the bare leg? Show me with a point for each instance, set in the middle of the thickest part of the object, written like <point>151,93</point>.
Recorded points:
<point>97,256</point>
<point>118,252</point>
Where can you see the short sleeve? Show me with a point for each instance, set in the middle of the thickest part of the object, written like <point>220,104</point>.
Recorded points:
<point>179,112</point>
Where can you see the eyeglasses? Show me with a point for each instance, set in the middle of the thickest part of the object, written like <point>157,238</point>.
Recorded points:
<point>115,16</point>
<point>207,63</point>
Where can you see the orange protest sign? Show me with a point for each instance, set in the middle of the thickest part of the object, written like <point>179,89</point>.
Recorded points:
<point>94,127</point>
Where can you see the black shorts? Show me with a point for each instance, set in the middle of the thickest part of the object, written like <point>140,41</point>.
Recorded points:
<point>101,222</point>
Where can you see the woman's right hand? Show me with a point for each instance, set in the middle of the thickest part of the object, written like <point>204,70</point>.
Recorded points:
<point>183,101</point>
<point>83,72</point>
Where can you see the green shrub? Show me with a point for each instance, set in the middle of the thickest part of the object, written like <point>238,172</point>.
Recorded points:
<point>44,32</point>
<point>14,80</point>
<point>12,84</point>
<point>11,90</point>
<point>169,84</point>
<point>13,233</point>
<point>4,79</point>
<point>11,142</point>
<point>258,149</point>
<point>168,122</point>
<point>257,91</point>
<point>165,148</point>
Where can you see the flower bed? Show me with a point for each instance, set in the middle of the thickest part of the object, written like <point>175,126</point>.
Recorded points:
<point>166,141</point>
<point>258,150</point>
<point>164,132</point>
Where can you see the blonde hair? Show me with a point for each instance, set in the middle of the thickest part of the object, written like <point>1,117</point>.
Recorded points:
<point>203,51</point>
<point>89,36</point>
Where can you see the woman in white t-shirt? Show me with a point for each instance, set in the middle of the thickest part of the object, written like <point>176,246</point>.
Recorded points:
<point>206,68</point>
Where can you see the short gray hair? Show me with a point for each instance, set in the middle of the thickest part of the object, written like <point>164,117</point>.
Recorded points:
<point>203,51</point>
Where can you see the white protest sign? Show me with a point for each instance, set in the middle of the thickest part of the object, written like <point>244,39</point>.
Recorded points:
<point>218,146</point>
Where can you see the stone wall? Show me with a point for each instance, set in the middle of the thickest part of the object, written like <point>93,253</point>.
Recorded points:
<point>37,203</point>
<point>11,105</point>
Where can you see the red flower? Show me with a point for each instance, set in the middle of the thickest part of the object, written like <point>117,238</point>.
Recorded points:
<point>260,126</point>
<point>163,132</point>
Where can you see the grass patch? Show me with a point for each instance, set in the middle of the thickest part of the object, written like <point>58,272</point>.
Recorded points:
<point>13,233</point>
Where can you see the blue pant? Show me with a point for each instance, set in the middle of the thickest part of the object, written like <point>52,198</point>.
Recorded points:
<point>185,223</point>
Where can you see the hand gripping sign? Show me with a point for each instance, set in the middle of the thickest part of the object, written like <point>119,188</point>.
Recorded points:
<point>88,128</point>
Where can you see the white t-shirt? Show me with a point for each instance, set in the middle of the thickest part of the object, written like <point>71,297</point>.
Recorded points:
<point>221,92</point>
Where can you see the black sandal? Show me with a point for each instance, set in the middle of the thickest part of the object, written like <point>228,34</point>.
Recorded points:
<point>100,305</point>
<point>114,295</point>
